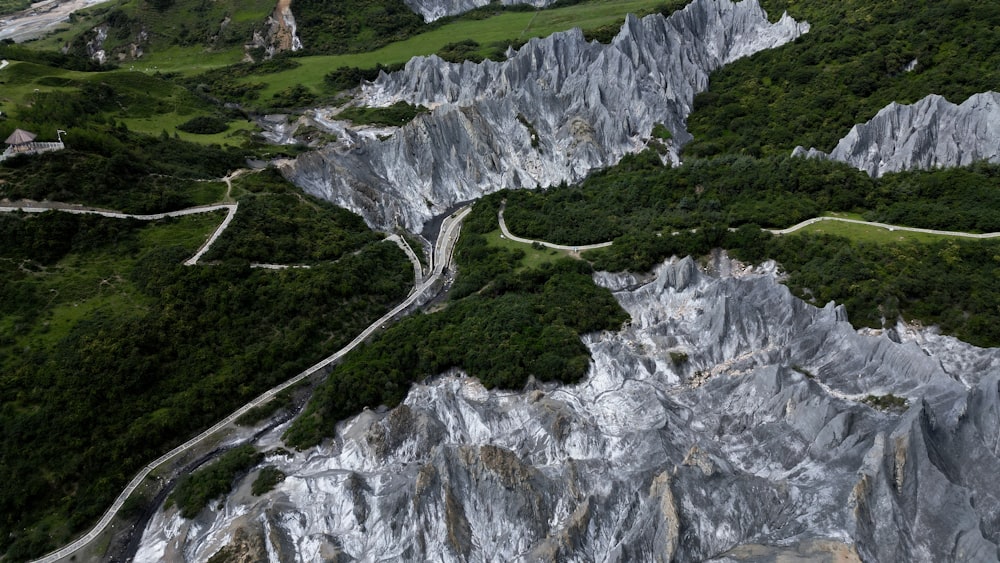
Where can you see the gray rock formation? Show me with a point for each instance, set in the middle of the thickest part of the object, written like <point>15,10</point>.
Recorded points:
<point>931,133</point>
<point>279,33</point>
<point>555,110</point>
<point>436,9</point>
<point>727,422</point>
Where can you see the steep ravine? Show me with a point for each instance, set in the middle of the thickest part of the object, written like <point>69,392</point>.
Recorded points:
<point>931,133</point>
<point>555,110</point>
<point>749,441</point>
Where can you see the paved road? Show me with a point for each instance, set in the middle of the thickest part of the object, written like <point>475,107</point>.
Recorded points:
<point>577,248</point>
<point>815,220</point>
<point>229,207</point>
<point>792,229</point>
<point>418,268</point>
<point>450,229</point>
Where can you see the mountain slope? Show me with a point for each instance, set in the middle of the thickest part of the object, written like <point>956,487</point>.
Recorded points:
<point>729,418</point>
<point>932,133</point>
<point>555,110</point>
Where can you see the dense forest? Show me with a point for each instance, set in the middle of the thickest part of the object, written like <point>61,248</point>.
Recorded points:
<point>859,56</point>
<point>639,195</point>
<point>277,224</point>
<point>203,341</point>
<point>98,316</point>
<point>502,324</point>
<point>653,212</point>
<point>195,490</point>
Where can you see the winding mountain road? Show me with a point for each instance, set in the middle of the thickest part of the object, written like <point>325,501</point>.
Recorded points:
<point>450,229</point>
<point>230,208</point>
<point>577,248</point>
<point>789,230</point>
<point>418,268</point>
<point>886,226</point>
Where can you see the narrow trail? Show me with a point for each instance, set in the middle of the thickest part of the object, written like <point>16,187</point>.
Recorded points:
<point>230,208</point>
<point>578,248</point>
<point>789,230</point>
<point>443,250</point>
<point>886,226</point>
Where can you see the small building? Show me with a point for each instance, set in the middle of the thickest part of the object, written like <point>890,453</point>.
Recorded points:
<point>23,142</point>
<point>20,140</point>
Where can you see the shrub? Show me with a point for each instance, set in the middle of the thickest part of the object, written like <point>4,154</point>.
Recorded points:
<point>196,490</point>
<point>203,125</point>
<point>266,480</point>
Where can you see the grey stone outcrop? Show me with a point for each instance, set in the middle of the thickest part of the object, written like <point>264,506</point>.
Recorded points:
<point>555,110</point>
<point>436,9</point>
<point>932,133</point>
<point>728,421</point>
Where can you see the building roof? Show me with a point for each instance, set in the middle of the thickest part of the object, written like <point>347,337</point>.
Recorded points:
<point>20,137</point>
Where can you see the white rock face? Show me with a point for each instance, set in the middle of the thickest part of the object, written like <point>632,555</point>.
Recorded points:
<point>755,445</point>
<point>557,109</point>
<point>931,133</point>
<point>436,9</point>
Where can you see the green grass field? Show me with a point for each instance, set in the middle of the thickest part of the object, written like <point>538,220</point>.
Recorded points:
<point>20,80</point>
<point>533,257</point>
<point>156,105</point>
<point>506,27</point>
<point>148,104</point>
<point>867,233</point>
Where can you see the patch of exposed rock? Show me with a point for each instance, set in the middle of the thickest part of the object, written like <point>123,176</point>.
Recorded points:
<point>555,110</point>
<point>279,34</point>
<point>757,446</point>
<point>931,133</point>
<point>432,10</point>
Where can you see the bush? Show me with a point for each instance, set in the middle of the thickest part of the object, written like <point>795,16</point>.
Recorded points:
<point>196,490</point>
<point>267,480</point>
<point>204,125</point>
<point>398,114</point>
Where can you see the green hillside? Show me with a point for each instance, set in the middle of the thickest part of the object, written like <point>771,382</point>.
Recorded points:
<point>99,315</point>
<point>850,65</point>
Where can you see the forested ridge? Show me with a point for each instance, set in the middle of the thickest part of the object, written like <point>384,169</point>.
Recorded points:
<point>854,61</point>
<point>112,351</point>
<point>653,212</point>
<point>640,195</point>
<point>502,324</point>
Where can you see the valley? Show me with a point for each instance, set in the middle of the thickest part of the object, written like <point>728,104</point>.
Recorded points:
<point>815,378</point>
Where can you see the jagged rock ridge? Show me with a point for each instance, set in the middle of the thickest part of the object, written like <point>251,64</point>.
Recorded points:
<point>931,133</point>
<point>749,442</point>
<point>557,109</point>
<point>436,9</point>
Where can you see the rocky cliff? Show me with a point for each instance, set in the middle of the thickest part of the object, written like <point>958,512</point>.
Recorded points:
<point>730,421</point>
<point>279,33</point>
<point>930,133</point>
<point>555,110</point>
<point>436,9</point>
